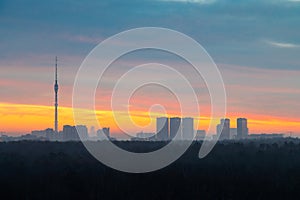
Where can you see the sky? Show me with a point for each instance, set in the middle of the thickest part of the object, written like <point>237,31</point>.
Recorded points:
<point>255,44</point>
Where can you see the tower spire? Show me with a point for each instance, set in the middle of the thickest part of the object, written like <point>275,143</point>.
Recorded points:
<point>55,69</point>
<point>56,99</point>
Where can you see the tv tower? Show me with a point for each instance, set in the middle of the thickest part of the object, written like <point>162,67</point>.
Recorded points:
<point>56,101</point>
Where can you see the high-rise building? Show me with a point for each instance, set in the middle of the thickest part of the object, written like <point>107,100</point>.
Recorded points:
<point>82,131</point>
<point>162,128</point>
<point>218,129</point>
<point>92,131</point>
<point>70,133</point>
<point>106,132</point>
<point>187,128</point>
<point>223,129</point>
<point>175,127</point>
<point>242,128</point>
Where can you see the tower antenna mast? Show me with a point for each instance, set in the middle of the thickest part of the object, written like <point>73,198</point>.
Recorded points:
<point>56,99</point>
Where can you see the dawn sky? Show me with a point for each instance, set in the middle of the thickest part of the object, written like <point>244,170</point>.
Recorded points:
<point>255,44</point>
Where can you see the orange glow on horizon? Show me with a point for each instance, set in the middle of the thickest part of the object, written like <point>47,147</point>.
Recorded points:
<point>23,118</point>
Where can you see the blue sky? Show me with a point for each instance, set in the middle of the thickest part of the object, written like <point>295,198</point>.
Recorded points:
<point>254,33</point>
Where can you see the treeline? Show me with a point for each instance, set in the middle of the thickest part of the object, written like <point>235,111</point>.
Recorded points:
<point>268,169</point>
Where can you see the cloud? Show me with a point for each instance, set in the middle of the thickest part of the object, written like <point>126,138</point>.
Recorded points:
<point>193,1</point>
<point>281,44</point>
<point>85,39</point>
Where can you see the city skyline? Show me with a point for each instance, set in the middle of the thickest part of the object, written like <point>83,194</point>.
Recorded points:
<point>167,129</point>
<point>258,60</point>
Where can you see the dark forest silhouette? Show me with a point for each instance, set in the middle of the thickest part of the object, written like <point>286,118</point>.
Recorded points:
<point>264,169</point>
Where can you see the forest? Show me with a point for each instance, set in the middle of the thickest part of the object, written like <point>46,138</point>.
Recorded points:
<point>249,169</point>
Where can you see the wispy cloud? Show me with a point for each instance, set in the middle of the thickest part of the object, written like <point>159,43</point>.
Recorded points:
<point>281,44</point>
<point>213,1</point>
<point>85,39</point>
<point>193,1</point>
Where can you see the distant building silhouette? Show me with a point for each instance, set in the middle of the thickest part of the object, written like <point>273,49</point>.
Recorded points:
<point>82,131</point>
<point>92,131</point>
<point>46,134</point>
<point>242,128</point>
<point>223,129</point>
<point>233,133</point>
<point>142,136</point>
<point>100,135</point>
<point>104,133</point>
<point>175,127</point>
<point>187,128</point>
<point>162,128</point>
<point>184,127</point>
<point>200,135</point>
<point>266,136</point>
<point>69,133</point>
<point>218,129</point>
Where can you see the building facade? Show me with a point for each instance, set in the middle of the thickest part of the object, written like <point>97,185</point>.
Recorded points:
<point>187,128</point>
<point>162,128</point>
<point>242,128</point>
<point>223,129</point>
<point>175,128</point>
